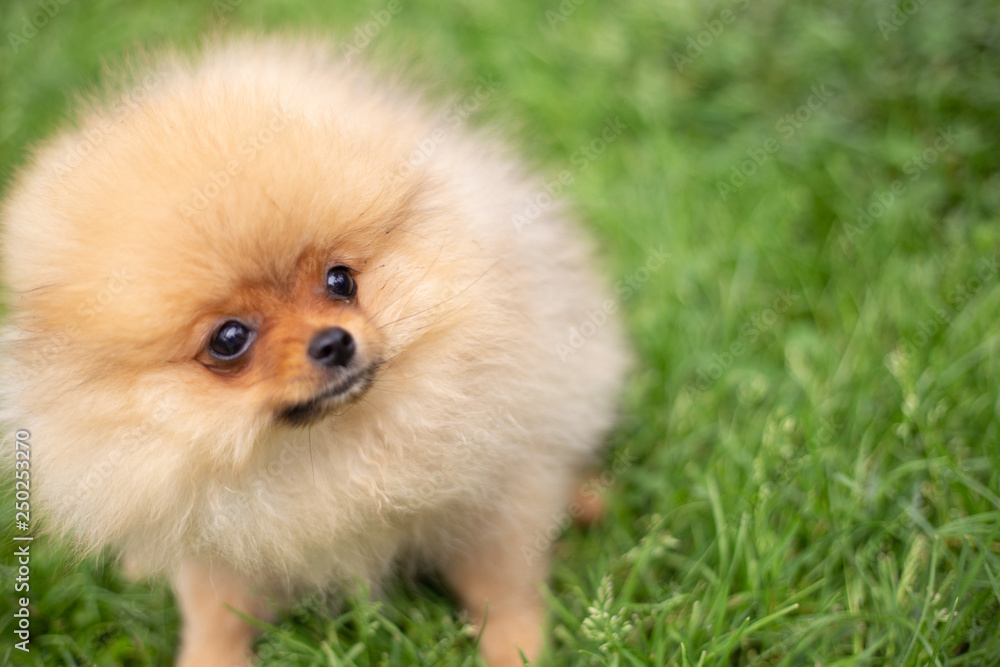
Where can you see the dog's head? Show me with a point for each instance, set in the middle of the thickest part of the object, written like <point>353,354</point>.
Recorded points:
<point>254,261</point>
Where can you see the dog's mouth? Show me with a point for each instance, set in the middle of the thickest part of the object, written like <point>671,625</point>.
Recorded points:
<point>341,392</point>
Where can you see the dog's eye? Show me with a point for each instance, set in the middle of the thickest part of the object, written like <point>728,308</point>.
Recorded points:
<point>340,282</point>
<point>230,341</point>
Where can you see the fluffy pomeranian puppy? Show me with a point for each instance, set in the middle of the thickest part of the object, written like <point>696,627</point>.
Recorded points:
<point>275,326</point>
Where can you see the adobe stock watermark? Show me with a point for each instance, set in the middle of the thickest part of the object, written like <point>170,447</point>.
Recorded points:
<point>774,654</point>
<point>276,468</point>
<point>246,152</point>
<point>97,475</point>
<point>783,472</point>
<point>223,8</point>
<point>280,467</point>
<point>593,490</point>
<point>22,552</point>
<point>900,529</point>
<point>30,25</point>
<point>883,200</point>
<point>86,310</point>
<point>366,32</point>
<point>562,13</point>
<point>987,269</point>
<point>900,14</point>
<point>787,127</point>
<point>461,457</point>
<point>750,333</point>
<point>714,27</point>
<point>581,158</point>
<point>597,317</point>
<point>95,136</point>
<point>454,116</point>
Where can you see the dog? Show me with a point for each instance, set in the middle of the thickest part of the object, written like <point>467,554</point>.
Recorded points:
<point>277,324</point>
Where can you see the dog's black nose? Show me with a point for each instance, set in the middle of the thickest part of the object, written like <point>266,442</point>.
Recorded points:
<point>332,347</point>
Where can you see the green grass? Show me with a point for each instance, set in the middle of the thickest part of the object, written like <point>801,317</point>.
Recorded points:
<point>815,486</point>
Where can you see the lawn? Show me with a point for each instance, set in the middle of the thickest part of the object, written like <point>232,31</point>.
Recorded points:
<point>800,206</point>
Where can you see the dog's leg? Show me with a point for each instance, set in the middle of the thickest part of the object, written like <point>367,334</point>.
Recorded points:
<point>588,504</point>
<point>212,634</point>
<point>497,586</point>
<point>501,570</point>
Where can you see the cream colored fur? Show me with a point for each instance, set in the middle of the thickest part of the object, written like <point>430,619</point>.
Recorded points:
<point>471,437</point>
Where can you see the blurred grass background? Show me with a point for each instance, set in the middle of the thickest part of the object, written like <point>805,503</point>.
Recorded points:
<point>814,417</point>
